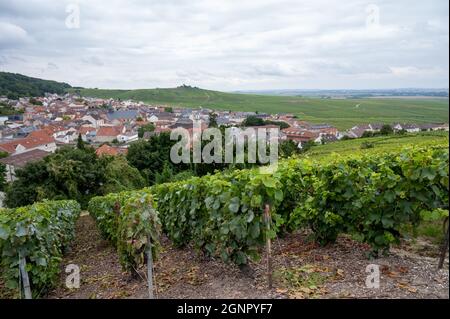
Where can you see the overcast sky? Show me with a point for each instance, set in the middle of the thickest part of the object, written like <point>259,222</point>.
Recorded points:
<point>229,44</point>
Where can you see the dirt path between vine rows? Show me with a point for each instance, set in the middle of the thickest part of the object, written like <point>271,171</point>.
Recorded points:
<point>301,270</point>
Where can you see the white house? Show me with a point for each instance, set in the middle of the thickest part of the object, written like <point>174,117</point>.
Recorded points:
<point>410,128</point>
<point>94,120</point>
<point>66,136</point>
<point>127,137</point>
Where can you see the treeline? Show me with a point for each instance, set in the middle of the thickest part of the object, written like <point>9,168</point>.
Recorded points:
<point>14,85</point>
<point>257,121</point>
<point>6,110</point>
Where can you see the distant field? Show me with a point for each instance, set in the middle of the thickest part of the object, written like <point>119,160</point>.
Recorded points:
<point>380,144</point>
<point>343,113</point>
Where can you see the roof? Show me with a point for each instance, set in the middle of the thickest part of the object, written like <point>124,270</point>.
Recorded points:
<point>105,149</point>
<point>123,114</point>
<point>357,131</point>
<point>84,130</point>
<point>109,130</point>
<point>20,160</point>
<point>34,139</point>
<point>269,126</point>
<point>163,116</point>
<point>321,126</point>
<point>300,133</point>
<point>161,130</point>
<point>40,137</point>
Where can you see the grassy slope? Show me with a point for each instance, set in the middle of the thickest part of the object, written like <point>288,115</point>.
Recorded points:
<point>342,113</point>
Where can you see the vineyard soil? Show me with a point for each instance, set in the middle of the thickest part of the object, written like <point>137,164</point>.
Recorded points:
<point>301,270</point>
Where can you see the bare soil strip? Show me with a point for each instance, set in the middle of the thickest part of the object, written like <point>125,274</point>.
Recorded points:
<point>301,270</point>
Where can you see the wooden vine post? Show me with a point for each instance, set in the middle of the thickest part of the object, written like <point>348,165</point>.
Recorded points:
<point>444,247</point>
<point>268,246</point>
<point>24,277</point>
<point>150,269</point>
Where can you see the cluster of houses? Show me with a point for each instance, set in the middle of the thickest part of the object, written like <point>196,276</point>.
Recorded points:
<point>43,124</point>
<point>359,130</point>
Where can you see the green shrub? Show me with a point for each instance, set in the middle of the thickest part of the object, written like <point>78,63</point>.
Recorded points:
<point>367,145</point>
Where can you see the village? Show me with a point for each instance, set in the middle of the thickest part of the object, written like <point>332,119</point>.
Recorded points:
<point>39,126</point>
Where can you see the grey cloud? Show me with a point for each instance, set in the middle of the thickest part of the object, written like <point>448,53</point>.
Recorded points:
<point>229,45</point>
<point>52,66</point>
<point>93,60</point>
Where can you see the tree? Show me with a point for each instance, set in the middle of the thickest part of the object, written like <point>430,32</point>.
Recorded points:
<point>12,96</point>
<point>149,156</point>
<point>120,175</point>
<point>145,128</point>
<point>307,145</point>
<point>386,129</point>
<point>169,109</point>
<point>2,177</point>
<point>281,124</point>
<point>27,189</point>
<point>165,176</point>
<point>253,121</point>
<point>367,134</point>
<point>213,120</point>
<point>288,148</point>
<point>33,101</point>
<point>80,142</point>
<point>69,173</point>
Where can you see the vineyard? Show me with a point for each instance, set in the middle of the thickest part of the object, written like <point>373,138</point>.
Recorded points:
<point>370,197</point>
<point>39,233</point>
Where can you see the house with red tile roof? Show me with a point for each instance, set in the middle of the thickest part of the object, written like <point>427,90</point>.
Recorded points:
<point>105,149</point>
<point>15,162</point>
<point>40,139</point>
<point>108,133</point>
<point>300,135</point>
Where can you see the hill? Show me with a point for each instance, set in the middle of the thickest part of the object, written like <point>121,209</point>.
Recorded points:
<point>17,85</point>
<point>344,113</point>
<point>341,112</point>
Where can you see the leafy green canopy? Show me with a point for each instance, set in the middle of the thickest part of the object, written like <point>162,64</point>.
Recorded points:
<point>71,173</point>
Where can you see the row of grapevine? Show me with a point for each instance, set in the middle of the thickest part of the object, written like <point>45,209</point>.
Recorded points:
<point>222,215</point>
<point>40,233</point>
<point>371,197</point>
<point>368,196</point>
<point>129,220</point>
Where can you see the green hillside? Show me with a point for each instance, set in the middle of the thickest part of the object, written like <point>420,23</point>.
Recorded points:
<point>17,85</point>
<point>380,144</point>
<point>344,113</point>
